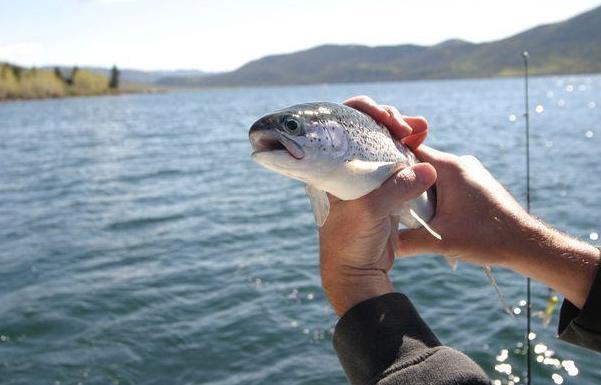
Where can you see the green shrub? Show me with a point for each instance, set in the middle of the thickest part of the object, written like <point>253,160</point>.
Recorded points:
<point>21,83</point>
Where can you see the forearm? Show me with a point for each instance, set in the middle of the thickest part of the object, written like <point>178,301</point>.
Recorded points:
<point>565,264</point>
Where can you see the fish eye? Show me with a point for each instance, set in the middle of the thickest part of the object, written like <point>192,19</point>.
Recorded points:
<point>292,125</point>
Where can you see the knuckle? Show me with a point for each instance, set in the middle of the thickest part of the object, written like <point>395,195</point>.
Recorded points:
<point>392,111</point>
<point>364,99</point>
<point>470,160</point>
<point>403,178</point>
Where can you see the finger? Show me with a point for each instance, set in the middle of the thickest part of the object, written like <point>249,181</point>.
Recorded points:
<point>388,116</point>
<point>368,106</point>
<point>395,123</point>
<point>430,155</point>
<point>419,131</point>
<point>417,241</point>
<point>407,184</point>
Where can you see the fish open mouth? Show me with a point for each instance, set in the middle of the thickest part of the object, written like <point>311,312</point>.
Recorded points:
<point>269,141</point>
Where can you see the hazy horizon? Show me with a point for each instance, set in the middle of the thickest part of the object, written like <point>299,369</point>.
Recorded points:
<point>211,36</point>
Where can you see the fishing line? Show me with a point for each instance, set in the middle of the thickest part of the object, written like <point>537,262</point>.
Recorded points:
<point>528,284</point>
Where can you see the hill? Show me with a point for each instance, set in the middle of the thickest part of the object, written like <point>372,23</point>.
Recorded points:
<point>571,46</point>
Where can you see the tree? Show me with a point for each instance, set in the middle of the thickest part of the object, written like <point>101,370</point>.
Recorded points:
<point>59,74</point>
<point>71,80</point>
<point>114,82</point>
<point>17,71</point>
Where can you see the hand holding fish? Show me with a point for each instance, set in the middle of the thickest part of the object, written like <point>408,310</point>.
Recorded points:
<point>483,224</point>
<point>477,215</point>
<point>355,255</point>
<point>350,159</point>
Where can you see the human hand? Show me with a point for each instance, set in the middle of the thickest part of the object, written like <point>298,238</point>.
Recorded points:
<point>357,254</point>
<point>479,220</point>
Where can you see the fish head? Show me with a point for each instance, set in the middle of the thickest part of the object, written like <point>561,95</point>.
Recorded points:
<point>303,142</point>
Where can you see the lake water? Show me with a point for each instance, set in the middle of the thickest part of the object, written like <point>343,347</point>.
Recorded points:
<point>140,245</point>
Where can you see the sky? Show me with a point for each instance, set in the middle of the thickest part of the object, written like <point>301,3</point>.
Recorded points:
<point>221,35</point>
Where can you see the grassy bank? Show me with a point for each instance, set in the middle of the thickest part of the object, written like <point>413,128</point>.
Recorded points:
<point>31,83</point>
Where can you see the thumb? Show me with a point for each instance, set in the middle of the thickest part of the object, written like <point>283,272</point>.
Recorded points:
<point>416,241</point>
<point>407,184</point>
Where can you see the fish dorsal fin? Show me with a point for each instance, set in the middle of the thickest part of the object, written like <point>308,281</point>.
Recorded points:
<point>319,203</point>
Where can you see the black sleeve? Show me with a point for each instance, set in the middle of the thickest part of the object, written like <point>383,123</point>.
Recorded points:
<point>384,341</point>
<point>583,326</point>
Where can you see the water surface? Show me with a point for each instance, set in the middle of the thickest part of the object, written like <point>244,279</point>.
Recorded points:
<point>141,246</point>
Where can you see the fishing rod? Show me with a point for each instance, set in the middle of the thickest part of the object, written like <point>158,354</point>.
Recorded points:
<point>528,283</point>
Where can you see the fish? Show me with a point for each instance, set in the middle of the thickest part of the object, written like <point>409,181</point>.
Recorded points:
<point>338,150</point>
<point>335,149</point>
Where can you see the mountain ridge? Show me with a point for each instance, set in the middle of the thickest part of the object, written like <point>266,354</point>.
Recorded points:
<point>569,46</point>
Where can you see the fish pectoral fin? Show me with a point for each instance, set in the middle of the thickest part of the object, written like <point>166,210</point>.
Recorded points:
<point>320,204</point>
<point>424,224</point>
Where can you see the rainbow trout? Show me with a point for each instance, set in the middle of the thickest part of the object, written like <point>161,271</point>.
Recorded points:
<point>336,149</point>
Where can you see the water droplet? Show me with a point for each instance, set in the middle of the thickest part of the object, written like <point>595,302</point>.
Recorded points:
<point>594,236</point>
<point>512,118</point>
<point>540,109</point>
<point>589,134</point>
<point>558,379</point>
<point>531,336</point>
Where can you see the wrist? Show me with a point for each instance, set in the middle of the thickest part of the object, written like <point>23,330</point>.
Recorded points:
<point>529,237</point>
<point>347,289</point>
<point>561,262</point>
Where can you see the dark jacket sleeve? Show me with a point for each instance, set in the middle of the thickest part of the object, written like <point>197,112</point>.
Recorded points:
<point>583,326</point>
<point>384,341</point>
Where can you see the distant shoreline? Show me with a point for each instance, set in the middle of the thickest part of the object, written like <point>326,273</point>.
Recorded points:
<point>162,90</point>
<point>149,90</point>
<point>233,87</point>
